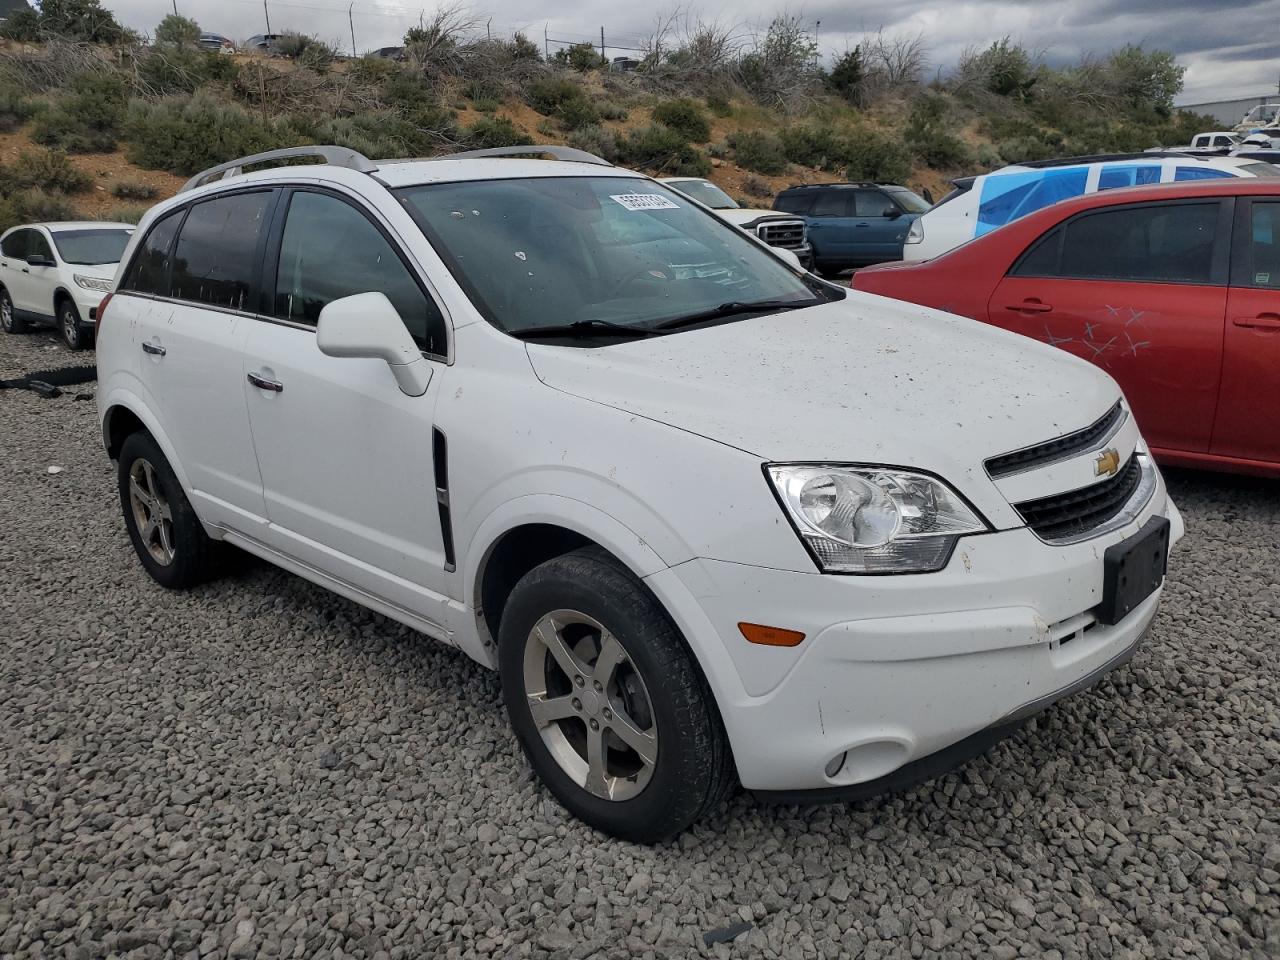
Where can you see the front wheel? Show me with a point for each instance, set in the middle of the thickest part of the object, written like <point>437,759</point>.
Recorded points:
<point>607,701</point>
<point>73,335</point>
<point>9,320</point>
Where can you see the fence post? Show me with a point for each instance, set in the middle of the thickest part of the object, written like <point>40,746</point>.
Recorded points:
<point>546,45</point>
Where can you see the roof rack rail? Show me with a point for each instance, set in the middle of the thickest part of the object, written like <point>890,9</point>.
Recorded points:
<point>531,150</point>
<point>335,156</point>
<point>1106,157</point>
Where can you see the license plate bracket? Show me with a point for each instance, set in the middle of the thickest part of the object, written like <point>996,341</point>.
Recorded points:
<point>1132,570</point>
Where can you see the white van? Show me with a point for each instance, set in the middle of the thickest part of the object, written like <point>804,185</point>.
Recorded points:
<point>981,204</point>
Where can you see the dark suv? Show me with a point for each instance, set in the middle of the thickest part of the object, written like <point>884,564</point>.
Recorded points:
<point>853,224</point>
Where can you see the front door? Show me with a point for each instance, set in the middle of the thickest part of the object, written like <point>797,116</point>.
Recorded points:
<point>32,287</point>
<point>1132,289</point>
<point>879,227</point>
<point>1248,423</point>
<point>346,457</point>
<point>831,228</point>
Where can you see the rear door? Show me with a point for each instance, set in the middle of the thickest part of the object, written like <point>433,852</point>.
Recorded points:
<point>1140,291</point>
<point>879,227</point>
<point>347,458</point>
<point>192,340</point>
<point>1248,421</point>
<point>14,272</point>
<point>831,227</point>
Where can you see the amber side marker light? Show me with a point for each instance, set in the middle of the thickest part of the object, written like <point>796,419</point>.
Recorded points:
<point>770,636</point>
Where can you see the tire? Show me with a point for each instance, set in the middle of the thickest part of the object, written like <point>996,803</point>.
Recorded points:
<point>585,598</point>
<point>176,552</point>
<point>74,337</point>
<point>10,322</point>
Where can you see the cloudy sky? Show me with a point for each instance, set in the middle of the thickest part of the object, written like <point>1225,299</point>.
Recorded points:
<point>1231,48</point>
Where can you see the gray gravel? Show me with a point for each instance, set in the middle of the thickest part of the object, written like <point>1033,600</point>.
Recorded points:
<point>259,768</point>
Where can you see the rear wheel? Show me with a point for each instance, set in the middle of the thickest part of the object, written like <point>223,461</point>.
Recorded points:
<point>9,320</point>
<point>166,534</point>
<point>607,701</point>
<point>73,335</point>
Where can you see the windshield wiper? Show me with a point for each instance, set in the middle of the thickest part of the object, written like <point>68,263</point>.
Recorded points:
<point>734,307</point>
<point>582,328</point>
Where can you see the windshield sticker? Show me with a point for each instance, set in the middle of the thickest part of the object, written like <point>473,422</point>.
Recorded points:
<point>644,201</point>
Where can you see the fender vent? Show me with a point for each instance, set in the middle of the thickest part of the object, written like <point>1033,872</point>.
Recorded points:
<point>440,463</point>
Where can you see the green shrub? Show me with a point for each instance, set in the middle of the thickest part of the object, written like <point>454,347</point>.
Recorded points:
<point>878,158</point>
<point>574,114</point>
<point>166,70</point>
<point>685,117</point>
<point>610,110</point>
<point>34,206</point>
<point>15,109</point>
<point>753,186</point>
<point>85,21</point>
<point>547,128</point>
<point>597,140</point>
<point>547,95</point>
<point>131,213</point>
<point>369,68</point>
<point>178,31</point>
<point>87,119</point>
<point>22,26</point>
<point>1021,149</point>
<point>581,57</point>
<point>185,135</point>
<point>49,170</point>
<point>133,190</point>
<point>488,132</point>
<point>719,104</point>
<point>929,136</point>
<point>376,133</point>
<point>663,150</point>
<point>758,151</point>
<point>814,146</point>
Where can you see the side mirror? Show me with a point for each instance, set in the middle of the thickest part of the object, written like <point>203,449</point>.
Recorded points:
<point>36,260</point>
<point>893,213</point>
<point>367,325</point>
<point>790,257</point>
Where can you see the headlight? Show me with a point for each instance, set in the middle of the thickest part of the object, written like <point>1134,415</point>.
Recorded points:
<point>915,232</point>
<point>93,283</point>
<point>873,519</point>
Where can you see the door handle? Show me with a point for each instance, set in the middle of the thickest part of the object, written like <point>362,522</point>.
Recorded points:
<point>26,269</point>
<point>262,383</point>
<point>153,348</point>
<point>1263,321</point>
<point>1030,305</point>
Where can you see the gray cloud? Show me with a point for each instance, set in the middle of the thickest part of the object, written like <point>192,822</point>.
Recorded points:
<point>1216,40</point>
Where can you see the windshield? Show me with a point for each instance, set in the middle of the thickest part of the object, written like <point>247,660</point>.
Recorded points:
<point>908,200</point>
<point>88,247</point>
<point>706,192</point>
<point>552,251</point>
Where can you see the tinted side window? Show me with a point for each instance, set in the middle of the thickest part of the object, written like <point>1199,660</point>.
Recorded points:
<point>1169,243</point>
<point>38,245</point>
<point>832,203</point>
<point>216,257</point>
<point>1127,175</point>
<point>1007,196</point>
<point>873,203</point>
<point>1041,259</point>
<point>793,202</point>
<point>149,272</point>
<point>1199,173</point>
<point>15,244</point>
<point>330,250</point>
<point>1264,246</point>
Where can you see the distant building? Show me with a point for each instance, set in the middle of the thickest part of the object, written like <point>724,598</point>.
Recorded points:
<point>1229,112</point>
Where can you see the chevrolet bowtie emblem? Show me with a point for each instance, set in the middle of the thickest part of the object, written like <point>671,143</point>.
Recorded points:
<point>1107,463</point>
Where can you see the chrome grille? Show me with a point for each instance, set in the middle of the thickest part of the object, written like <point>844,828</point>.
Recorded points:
<point>1060,448</point>
<point>782,233</point>
<point>1068,516</point>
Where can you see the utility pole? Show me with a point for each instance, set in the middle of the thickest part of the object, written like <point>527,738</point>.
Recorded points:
<point>602,43</point>
<point>351,21</point>
<point>175,7</point>
<point>546,46</point>
<point>268,15</point>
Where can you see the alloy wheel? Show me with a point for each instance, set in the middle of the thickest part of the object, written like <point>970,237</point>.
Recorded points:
<point>590,705</point>
<point>151,512</point>
<point>70,328</point>
<point>6,313</point>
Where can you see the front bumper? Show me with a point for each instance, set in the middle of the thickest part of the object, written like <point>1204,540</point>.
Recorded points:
<point>925,663</point>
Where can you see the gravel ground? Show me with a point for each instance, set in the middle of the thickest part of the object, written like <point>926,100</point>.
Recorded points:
<point>259,768</point>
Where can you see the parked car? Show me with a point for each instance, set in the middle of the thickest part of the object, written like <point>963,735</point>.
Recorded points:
<point>1174,290</point>
<point>709,516</point>
<point>217,42</point>
<point>1214,143</point>
<point>777,230</point>
<point>1265,115</point>
<point>981,204</point>
<point>1259,155</point>
<point>853,224</point>
<point>267,43</point>
<point>57,273</point>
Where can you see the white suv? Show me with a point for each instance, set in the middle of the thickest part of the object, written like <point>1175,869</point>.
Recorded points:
<point>711,518</point>
<point>58,273</point>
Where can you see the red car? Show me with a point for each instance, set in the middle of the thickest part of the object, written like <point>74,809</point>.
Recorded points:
<point>1173,289</point>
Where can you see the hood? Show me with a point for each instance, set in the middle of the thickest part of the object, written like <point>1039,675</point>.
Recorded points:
<point>741,217</point>
<point>865,379</point>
